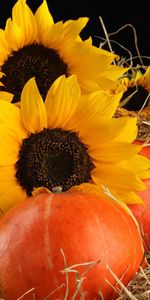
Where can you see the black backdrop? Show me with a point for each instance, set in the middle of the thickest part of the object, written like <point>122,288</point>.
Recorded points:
<point>114,14</point>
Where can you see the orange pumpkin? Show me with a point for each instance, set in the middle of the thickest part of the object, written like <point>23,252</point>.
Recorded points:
<point>145,150</point>
<point>49,232</point>
<point>142,214</point>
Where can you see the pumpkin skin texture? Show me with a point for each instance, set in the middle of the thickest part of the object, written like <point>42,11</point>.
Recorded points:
<point>86,227</point>
<point>142,215</point>
<point>145,151</point>
<point>142,212</point>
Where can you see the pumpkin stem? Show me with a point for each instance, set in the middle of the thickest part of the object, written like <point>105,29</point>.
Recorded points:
<point>57,189</point>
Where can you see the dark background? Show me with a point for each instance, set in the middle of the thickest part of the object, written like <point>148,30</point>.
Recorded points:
<point>114,14</point>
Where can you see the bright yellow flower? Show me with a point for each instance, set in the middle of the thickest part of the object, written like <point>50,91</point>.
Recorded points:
<point>136,100</point>
<point>32,45</point>
<point>69,143</point>
<point>136,96</point>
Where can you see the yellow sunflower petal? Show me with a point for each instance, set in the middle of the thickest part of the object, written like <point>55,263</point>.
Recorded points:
<point>144,174</point>
<point>92,108</point>
<point>87,84</point>
<point>4,43</point>
<point>62,100</point>
<point>113,151</point>
<point>14,35</point>
<point>129,198</point>
<point>123,180</point>
<point>9,148</point>
<point>33,112</point>
<point>7,173</point>
<point>136,77</point>
<point>44,19</point>
<point>146,80</point>
<point>106,83</point>
<point>129,130</point>
<point>9,132</point>
<point>133,198</point>
<point>1,74</point>
<point>11,197</point>
<point>88,64</point>
<point>111,56</point>
<point>4,47</point>
<point>72,28</point>
<point>95,62</point>
<point>6,96</point>
<point>114,72</point>
<point>108,130</point>
<point>89,188</point>
<point>10,120</point>
<point>108,79</point>
<point>105,103</point>
<point>23,17</point>
<point>53,37</point>
<point>6,184</point>
<point>138,164</point>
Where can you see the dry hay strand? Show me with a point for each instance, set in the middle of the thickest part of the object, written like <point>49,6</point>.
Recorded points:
<point>137,289</point>
<point>139,286</point>
<point>143,115</point>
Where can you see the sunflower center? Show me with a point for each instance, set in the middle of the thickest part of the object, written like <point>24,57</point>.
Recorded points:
<point>137,100</point>
<point>53,158</point>
<point>32,61</point>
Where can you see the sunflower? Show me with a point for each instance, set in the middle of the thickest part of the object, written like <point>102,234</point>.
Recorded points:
<point>32,45</point>
<point>135,100</point>
<point>67,143</point>
<point>136,96</point>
